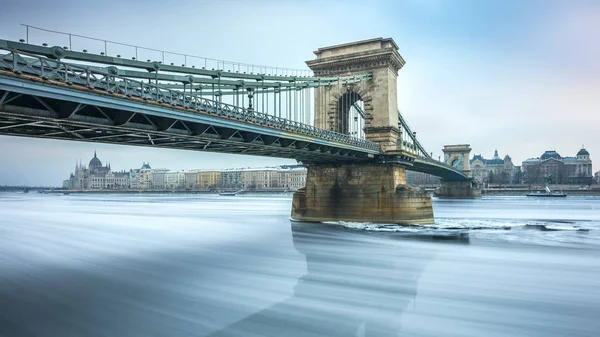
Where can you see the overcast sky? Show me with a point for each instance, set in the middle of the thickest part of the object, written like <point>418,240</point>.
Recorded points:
<point>520,76</point>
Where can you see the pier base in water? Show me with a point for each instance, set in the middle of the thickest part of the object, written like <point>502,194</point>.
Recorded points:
<point>372,192</point>
<point>459,189</point>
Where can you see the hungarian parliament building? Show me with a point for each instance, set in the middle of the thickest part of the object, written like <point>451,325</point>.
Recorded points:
<point>100,177</point>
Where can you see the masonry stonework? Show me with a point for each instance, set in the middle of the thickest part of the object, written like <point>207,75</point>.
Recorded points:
<point>368,192</point>
<point>458,156</point>
<point>379,57</point>
<point>459,189</point>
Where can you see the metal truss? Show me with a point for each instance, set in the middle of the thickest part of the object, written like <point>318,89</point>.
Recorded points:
<point>30,114</point>
<point>84,78</point>
<point>156,70</point>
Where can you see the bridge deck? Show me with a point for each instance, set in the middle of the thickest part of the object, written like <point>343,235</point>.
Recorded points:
<point>49,109</point>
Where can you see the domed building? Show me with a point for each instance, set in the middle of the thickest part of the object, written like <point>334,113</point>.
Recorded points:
<point>553,167</point>
<point>95,163</point>
<point>97,176</point>
<point>495,170</point>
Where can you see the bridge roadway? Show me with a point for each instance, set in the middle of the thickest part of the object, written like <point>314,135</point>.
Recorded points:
<point>45,98</point>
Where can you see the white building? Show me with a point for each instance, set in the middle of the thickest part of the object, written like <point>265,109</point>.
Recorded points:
<point>174,180</point>
<point>293,178</point>
<point>191,179</point>
<point>274,178</point>
<point>145,179</point>
<point>158,178</point>
<point>261,179</point>
<point>134,176</point>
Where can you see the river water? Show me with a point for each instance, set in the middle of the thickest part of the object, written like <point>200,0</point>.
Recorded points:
<point>205,265</point>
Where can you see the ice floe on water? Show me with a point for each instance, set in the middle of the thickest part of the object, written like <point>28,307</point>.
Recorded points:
<point>566,233</point>
<point>465,224</point>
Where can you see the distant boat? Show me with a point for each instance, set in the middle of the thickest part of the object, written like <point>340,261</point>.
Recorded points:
<point>232,194</point>
<point>227,193</point>
<point>548,194</point>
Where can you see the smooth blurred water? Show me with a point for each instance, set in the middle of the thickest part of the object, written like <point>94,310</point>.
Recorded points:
<point>199,265</point>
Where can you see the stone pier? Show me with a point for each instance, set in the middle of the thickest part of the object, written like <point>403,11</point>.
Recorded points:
<point>458,156</point>
<point>365,192</point>
<point>459,189</point>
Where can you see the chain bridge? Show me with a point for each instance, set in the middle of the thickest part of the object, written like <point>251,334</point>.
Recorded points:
<point>339,118</point>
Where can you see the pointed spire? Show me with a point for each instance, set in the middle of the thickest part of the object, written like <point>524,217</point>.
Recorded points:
<point>95,154</point>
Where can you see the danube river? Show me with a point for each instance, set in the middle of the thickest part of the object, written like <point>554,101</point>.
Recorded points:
<point>205,265</point>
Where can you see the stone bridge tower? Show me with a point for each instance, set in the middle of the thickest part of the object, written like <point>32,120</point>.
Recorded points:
<point>458,156</point>
<point>379,57</point>
<point>362,191</point>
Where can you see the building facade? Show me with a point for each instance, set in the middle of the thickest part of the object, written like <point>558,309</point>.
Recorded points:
<point>495,170</point>
<point>209,179</point>
<point>191,179</point>
<point>261,179</point>
<point>134,176</point>
<point>552,168</point>
<point>96,177</point>
<point>146,178</point>
<point>158,178</point>
<point>293,177</point>
<point>289,177</point>
<point>174,180</point>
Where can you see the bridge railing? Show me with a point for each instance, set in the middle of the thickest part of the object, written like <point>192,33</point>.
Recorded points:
<point>102,79</point>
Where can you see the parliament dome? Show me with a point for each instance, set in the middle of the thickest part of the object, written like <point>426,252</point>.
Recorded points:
<point>95,162</point>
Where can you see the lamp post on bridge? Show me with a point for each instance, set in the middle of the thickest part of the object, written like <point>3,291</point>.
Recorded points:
<point>250,96</point>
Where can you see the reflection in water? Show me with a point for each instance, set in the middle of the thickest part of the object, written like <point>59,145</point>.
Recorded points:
<point>350,289</point>
<point>156,266</point>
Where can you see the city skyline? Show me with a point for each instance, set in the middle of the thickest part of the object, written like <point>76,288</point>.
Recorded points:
<point>519,77</point>
<point>496,161</point>
<point>97,175</point>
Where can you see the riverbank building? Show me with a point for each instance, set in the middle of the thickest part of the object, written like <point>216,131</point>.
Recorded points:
<point>553,168</point>
<point>495,170</point>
